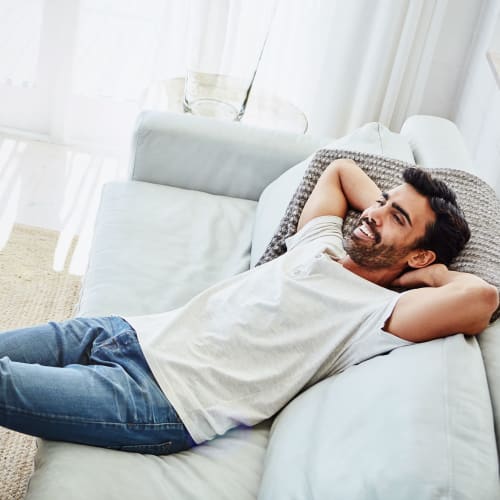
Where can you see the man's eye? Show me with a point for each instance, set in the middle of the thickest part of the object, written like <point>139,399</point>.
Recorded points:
<point>398,219</point>
<point>381,202</point>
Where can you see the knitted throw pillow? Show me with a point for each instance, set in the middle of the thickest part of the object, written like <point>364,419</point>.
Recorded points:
<point>481,255</point>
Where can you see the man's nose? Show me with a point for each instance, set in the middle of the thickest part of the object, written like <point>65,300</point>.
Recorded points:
<point>374,215</point>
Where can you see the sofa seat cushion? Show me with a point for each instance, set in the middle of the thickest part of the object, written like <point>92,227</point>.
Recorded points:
<point>226,468</point>
<point>415,423</point>
<point>155,247</point>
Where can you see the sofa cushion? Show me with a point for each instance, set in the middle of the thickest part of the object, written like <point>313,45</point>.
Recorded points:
<point>372,138</point>
<point>226,468</point>
<point>155,247</point>
<point>411,424</point>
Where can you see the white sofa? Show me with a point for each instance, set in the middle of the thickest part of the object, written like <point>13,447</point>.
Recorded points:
<point>202,202</point>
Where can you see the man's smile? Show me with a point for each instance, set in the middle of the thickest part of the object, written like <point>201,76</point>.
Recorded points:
<point>364,231</point>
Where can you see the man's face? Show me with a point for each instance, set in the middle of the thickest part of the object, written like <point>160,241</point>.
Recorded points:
<point>388,230</point>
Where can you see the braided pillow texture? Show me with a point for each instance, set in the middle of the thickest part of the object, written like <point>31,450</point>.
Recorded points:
<point>481,255</point>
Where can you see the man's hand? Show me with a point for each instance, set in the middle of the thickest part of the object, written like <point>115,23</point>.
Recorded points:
<point>425,276</point>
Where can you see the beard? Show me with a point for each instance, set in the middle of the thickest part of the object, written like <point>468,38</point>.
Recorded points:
<point>373,254</point>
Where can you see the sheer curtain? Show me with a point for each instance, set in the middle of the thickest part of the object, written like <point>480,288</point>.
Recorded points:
<point>75,71</point>
<point>478,115</point>
<point>346,63</point>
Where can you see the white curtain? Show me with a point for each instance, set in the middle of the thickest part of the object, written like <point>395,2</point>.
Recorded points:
<point>478,115</point>
<point>348,62</point>
<point>76,71</point>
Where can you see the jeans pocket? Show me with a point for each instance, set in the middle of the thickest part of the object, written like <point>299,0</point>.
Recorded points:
<point>148,449</point>
<point>121,347</point>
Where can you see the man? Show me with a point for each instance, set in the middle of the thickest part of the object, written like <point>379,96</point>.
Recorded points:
<point>241,350</point>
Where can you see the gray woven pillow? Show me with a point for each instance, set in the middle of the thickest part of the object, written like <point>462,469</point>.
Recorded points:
<point>481,255</point>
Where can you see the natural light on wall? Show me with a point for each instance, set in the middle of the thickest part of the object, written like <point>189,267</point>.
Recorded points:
<point>20,24</point>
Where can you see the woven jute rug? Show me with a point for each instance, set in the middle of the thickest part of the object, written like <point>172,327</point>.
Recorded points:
<point>31,292</point>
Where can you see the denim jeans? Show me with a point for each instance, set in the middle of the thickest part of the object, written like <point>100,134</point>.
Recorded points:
<point>86,381</point>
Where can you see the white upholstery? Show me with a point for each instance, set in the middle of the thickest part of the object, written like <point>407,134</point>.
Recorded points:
<point>158,246</point>
<point>437,143</point>
<point>412,424</point>
<point>195,152</point>
<point>224,469</point>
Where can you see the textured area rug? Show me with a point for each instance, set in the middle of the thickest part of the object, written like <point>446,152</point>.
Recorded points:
<point>31,292</point>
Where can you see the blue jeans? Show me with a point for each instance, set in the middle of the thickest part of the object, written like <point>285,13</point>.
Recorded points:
<point>86,381</point>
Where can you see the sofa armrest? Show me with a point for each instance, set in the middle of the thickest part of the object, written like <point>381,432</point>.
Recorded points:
<point>489,341</point>
<point>437,143</point>
<point>214,156</point>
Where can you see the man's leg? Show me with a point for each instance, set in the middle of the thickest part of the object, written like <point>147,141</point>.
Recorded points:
<point>110,401</point>
<point>57,344</point>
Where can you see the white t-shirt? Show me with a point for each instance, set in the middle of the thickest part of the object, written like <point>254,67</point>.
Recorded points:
<point>241,350</point>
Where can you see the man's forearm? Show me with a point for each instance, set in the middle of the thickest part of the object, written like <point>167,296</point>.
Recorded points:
<point>342,185</point>
<point>359,190</point>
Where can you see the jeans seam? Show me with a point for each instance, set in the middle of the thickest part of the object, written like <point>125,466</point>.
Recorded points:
<point>79,420</point>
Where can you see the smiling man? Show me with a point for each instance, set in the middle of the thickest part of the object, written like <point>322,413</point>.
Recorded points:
<point>407,237</point>
<point>238,352</point>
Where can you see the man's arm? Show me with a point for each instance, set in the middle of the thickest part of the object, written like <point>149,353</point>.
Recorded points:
<point>450,302</point>
<point>342,185</point>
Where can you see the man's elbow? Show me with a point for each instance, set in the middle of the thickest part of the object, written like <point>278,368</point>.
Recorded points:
<point>486,302</point>
<point>491,299</point>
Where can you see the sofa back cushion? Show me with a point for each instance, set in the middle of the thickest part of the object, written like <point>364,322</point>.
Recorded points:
<point>155,247</point>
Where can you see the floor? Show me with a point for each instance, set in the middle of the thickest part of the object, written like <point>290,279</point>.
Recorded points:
<point>54,187</point>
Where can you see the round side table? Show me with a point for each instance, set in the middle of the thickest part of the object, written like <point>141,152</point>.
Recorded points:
<point>263,109</point>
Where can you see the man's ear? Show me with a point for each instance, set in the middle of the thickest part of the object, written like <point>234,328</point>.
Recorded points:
<point>421,258</point>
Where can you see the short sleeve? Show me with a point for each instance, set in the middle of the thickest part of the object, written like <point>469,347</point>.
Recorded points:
<point>326,229</point>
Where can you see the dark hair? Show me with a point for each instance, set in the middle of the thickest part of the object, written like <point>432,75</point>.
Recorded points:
<point>449,233</point>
